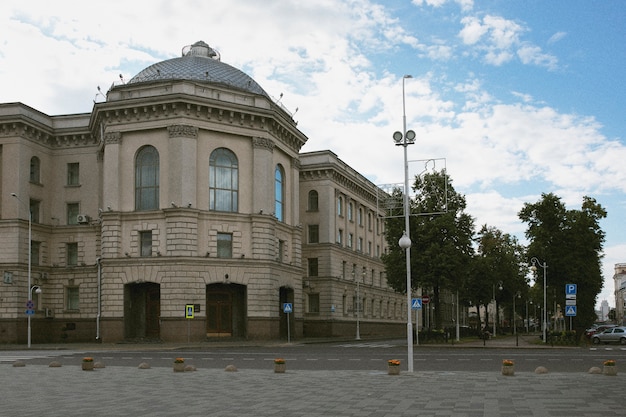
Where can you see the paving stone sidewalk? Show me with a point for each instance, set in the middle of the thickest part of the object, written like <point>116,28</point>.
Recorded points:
<point>127,391</point>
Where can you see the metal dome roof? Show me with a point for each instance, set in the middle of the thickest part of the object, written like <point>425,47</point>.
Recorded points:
<point>201,63</point>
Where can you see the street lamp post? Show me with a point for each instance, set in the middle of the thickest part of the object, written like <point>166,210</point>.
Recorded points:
<point>495,308</point>
<point>404,139</point>
<point>534,261</point>
<point>517,295</point>
<point>30,242</point>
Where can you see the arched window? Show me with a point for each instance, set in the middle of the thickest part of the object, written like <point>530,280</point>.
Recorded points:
<point>279,193</point>
<point>313,200</point>
<point>223,181</point>
<point>147,179</point>
<point>35,174</point>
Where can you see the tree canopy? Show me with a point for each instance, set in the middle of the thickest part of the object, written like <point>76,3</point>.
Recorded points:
<point>441,235</point>
<point>570,243</point>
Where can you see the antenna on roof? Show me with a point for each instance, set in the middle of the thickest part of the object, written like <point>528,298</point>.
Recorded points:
<point>280,98</point>
<point>122,78</point>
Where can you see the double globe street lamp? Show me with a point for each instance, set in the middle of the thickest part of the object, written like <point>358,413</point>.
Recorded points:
<point>404,139</point>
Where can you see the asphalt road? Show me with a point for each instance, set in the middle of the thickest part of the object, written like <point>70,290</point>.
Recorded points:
<point>338,356</point>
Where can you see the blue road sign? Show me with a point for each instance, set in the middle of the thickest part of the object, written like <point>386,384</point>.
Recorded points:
<point>570,288</point>
<point>416,303</point>
<point>570,311</point>
<point>287,308</point>
<point>29,312</point>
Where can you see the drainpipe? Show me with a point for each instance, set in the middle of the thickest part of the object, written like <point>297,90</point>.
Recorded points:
<point>99,299</point>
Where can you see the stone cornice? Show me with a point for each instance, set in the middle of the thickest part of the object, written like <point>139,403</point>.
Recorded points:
<point>45,136</point>
<point>119,115</point>
<point>367,193</point>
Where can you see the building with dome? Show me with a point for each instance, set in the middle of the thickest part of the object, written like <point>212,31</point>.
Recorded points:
<point>181,209</point>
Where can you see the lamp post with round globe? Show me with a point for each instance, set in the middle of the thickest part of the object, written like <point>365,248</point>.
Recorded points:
<point>404,139</point>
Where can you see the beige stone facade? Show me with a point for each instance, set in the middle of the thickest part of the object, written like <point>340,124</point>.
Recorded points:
<point>181,191</point>
<point>619,280</point>
<point>343,238</point>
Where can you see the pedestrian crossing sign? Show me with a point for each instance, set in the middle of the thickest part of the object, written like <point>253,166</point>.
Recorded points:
<point>287,308</point>
<point>570,311</point>
<point>416,303</point>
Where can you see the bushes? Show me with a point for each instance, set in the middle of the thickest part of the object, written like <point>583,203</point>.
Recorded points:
<point>563,337</point>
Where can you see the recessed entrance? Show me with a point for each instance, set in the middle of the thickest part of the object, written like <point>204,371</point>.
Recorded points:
<point>225,310</point>
<point>142,311</point>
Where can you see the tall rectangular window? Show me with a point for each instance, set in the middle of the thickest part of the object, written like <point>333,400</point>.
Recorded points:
<point>145,243</point>
<point>224,245</point>
<point>281,250</point>
<point>340,237</point>
<point>350,240</point>
<point>73,177</point>
<point>313,268</point>
<point>72,298</point>
<point>314,303</point>
<point>34,252</point>
<point>314,233</point>
<point>72,254</point>
<point>34,210</point>
<point>72,212</point>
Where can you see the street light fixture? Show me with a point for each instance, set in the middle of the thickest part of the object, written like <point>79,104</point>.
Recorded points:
<point>495,308</point>
<point>535,262</point>
<point>30,250</point>
<point>517,295</point>
<point>404,139</point>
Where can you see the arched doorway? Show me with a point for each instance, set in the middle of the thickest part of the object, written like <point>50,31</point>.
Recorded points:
<point>142,311</point>
<point>226,310</point>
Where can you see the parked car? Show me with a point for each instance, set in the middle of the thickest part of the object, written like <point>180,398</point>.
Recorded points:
<point>614,334</point>
<point>598,329</point>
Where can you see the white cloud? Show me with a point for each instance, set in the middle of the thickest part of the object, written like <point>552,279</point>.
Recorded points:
<point>557,37</point>
<point>499,39</point>
<point>466,5</point>
<point>532,54</point>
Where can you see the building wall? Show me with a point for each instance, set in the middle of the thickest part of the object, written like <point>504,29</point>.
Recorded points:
<point>345,273</point>
<point>97,297</point>
<point>619,280</point>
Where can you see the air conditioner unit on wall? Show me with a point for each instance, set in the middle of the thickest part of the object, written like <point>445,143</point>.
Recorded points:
<point>82,219</point>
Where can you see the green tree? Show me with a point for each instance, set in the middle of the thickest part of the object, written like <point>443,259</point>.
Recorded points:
<point>499,269</point>
<point>441,235</point>
<point>570,243</point>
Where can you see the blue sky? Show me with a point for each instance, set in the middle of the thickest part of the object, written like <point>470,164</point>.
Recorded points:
<point>521,97</point>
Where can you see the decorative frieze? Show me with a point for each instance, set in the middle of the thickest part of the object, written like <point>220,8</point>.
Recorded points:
<point>113,138</point>
<point>263,143</point>
<point>186,131</point>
